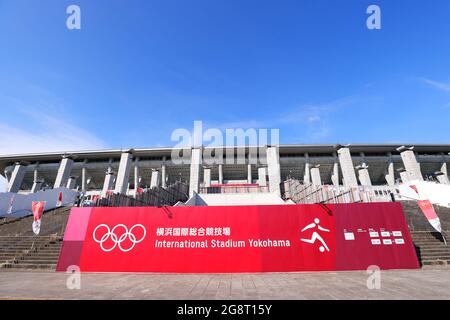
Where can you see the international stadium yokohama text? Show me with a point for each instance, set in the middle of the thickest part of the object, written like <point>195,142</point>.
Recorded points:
<point>214,243</point>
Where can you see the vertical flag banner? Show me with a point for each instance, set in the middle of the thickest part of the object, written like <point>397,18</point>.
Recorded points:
<point>59,202</point>
<point>428,210</point>
<point>10,208</point>
<point>430,214</point>
<point>37,207</point>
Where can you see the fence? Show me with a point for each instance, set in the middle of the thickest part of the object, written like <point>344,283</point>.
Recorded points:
<point>234,189</point>
<point>309,193</point>
<point>155,197</point>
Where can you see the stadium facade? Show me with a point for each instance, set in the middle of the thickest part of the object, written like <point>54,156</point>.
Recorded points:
<point>311,207</point>
<point>125,171</point>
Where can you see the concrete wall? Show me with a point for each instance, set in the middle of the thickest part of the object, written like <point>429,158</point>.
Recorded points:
<point>22,203</point>
<point>234,199</point>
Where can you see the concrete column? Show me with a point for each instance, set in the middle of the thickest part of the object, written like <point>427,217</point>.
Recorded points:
<point>390,177</point>
<point>442,178</point>
<point>65,168</point>
<point>71,183</point>
<point>15,182</point>
<point>109,182</point>
<point>335,174</point>
<point>443,175</point>
<point>83,179</point>
<point>154,182</point>
<point>273,168</point>
<point>207,177</point>
<point>249,174</point>
<point>363,175</point>
<point>404,175</point>
<point>136,176</point>
<point>262,177</point>
<point>307,175</point>
<point>220,174</point>
<point>35,174</point>
<point>347,168</point>
<point>123,174</point>
<point>163,176</point>
<point>412,167</point>
<point>37,185</point>
<point>194,177</point>
<point>7,175</point>
<point>315,175</point>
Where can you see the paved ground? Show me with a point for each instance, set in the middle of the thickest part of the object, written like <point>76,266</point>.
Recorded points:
<point>431,283</point>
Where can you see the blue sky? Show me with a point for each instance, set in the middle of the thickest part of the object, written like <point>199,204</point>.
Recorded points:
<point>137,70</point>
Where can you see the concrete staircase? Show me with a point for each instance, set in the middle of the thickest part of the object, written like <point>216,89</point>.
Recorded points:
<point>21,249</point>
<point>430,248</point>
<point>22,252</point>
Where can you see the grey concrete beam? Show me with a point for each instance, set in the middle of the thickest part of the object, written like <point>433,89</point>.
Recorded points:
<point>220,174</point>
<point>123,174</point>
<point>71,182</point>
<point>262,177</point>
<point>63,175</point>
<point>207,176</point>
<point>442,176</point>
<point>315,175</point>
<point>136,176</point>
<point>363,175</point>
<point>37,185</point>
<point>18,173</point>
<point>83,179</point>
<point>273,167</point>
<point>249,174</point>
<point>412,167</point>
<point>194,176</point>
<point>163,176</point>
<point>307,174</point>
<point>347,168</point>
<point>155,180</point>
<point>108,183</point>
<point>390,174</point>
<point>335,174</point>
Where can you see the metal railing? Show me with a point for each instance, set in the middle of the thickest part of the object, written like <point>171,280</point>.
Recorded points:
<point>234,189</point>
<point>309,193</point>
<point>155,197</point>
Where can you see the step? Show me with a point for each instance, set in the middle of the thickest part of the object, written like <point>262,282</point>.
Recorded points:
<point>51,266</point>
<point>436,262</point>
<point>438,244</point>
<point>435,256</point>
<point>433,252</point>
<point>52,261</point>
<point>39,257</point>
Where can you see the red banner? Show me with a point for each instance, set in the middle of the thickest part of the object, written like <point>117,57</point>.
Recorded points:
<point>59,201</point>
<point>37,207</point>
<point>277,238</point>
<point>428,210</point>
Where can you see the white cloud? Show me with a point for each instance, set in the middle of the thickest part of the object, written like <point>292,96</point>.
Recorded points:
<point>49,134</point>
<point>41,123</point>
<point>310,113</point>
<point>439,85</point>
<point>314,118</point>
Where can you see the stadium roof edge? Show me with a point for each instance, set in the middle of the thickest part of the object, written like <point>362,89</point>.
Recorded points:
<point>283,147</point>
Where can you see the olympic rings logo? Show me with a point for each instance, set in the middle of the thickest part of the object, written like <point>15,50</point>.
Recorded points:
<point>128,234</point>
